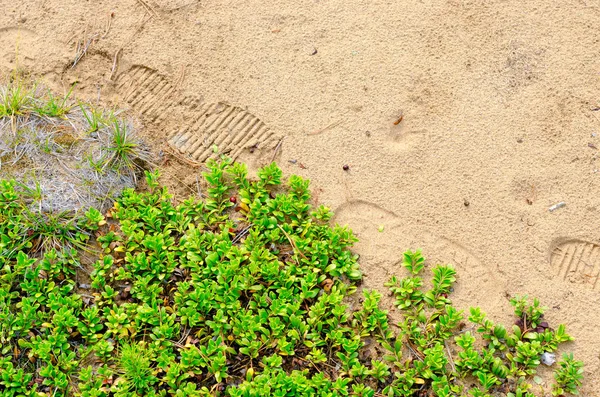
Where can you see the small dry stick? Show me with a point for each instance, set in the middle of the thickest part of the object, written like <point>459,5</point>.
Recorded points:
<point>82,49</point>
<point>414,351</point>
<point>148,8</point>
<point>198,187</point>
<point>72,37</point>
<point>596,117</point>
<point>179,156</point>
<point>277,149</point>
<point>242,233</point>
<point>183,184</point>
<point>292,244</point>
<point>108,25</point>
<point>450,356</point>
<point>143,20</point>
<point>115,61</point>
<point>326,128</point>
<point>184,335</point>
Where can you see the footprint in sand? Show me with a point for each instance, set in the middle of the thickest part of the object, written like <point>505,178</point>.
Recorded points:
<point>230,128</point>
<point>576,261</point>
<point>380,252</point>
<point>150,93</point>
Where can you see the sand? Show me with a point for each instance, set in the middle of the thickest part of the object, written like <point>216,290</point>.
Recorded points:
<point>500,121</point>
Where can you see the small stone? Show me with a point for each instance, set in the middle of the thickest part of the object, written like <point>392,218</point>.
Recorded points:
<point>548,358</point>
<point>346,167</point>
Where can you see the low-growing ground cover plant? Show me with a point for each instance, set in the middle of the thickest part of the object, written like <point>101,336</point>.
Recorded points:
<point>244,292</point>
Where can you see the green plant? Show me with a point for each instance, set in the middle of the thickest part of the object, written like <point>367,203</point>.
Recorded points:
<point>52,106</point>
<point>568,377</point>
<point>33,193</point>
<point>413,261</point>
<point>430,321</point>
<point>124,151</point>
<point>134,366</point>
<point>530,316</point>
<point>247,292</point>
<point>94,117</point>
<point>16,98</point>
<point>53,231</point>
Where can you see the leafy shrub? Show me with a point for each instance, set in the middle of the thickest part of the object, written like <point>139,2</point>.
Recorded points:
<point>244,293</point>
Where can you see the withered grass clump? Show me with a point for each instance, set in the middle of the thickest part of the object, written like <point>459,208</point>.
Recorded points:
<point>72,154</point>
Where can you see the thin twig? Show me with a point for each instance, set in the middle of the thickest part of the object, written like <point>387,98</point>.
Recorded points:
<point>184,335</point>
<point>108,26</point>
<point>114,66</point>
<point>72,37</point>
<point>148,8</point>
<point>326,128</point>
<point>179,156</point>
<point>192,191</point>
<point>414,350</point>
<point>450,357</point>
<point>82,49</point>
<point>596,117</point>
<point>198,187</point>
<point>241,234</point>
<point>292,244</point>
<point>277,149</point>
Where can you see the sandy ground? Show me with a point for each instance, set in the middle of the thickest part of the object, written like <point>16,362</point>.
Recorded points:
<point>499,102</point>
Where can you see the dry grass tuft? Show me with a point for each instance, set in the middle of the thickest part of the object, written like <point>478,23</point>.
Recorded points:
<point>72,154</point>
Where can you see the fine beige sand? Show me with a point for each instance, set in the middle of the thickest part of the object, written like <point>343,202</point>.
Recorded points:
<point>499,103</point>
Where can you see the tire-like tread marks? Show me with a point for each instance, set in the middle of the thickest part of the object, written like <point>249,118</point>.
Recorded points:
<point>231,128</point>
<point>577,261</point>
<point>147,91</point>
